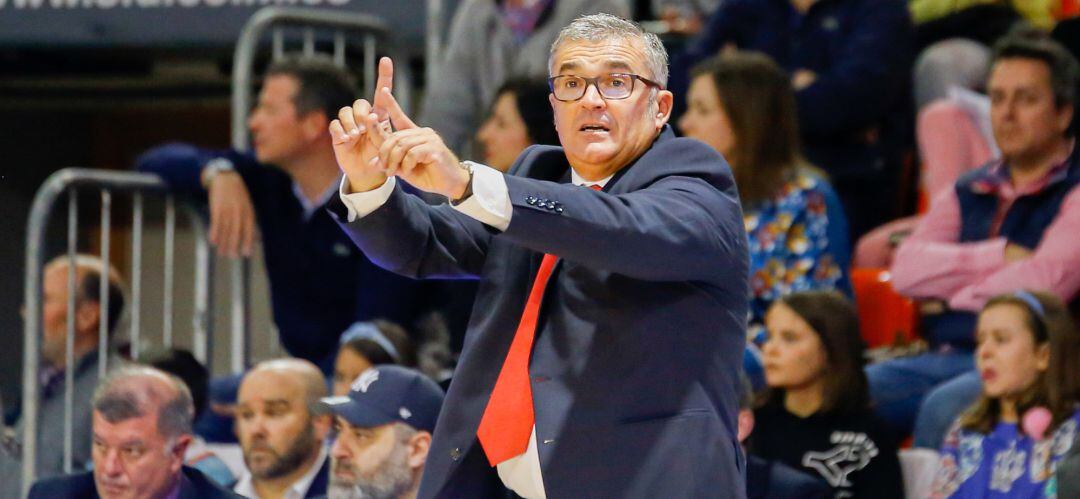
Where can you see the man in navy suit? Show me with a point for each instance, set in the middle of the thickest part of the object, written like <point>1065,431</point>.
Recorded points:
<point>603,352</point>
<point>141,426</point>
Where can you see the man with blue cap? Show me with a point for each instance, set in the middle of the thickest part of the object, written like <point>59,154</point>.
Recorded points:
<point>383,433</point>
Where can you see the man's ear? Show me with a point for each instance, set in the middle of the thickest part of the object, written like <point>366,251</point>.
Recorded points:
<point>87,316</point>
<point>419,445</point>
<point>178,451</point>
<point>315,125</point>
<point>1065,117</point>
<point>554,107</point>
<point>665,100</point>
<point>322,425</point>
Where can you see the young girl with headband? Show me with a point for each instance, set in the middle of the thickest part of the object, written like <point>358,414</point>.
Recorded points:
<point>1009,442</point>
<point>366,344</point>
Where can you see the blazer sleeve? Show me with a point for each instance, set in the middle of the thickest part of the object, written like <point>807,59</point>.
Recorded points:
<point>685,224</point>
<point>410,237</point>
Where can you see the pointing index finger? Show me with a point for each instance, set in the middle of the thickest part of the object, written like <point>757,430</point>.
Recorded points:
<point>385,80</point>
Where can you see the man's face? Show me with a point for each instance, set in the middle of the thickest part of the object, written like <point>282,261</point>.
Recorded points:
<point>1025,119</point>
<point>132,460</point>
<point>275,429</point>
<point>369,462</point>
<point>54,315</point>
<point>601,136</point>
<point>277,130</point>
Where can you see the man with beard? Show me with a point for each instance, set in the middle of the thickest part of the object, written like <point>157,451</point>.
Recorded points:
<point>383,433</point>
<point>280,437</point>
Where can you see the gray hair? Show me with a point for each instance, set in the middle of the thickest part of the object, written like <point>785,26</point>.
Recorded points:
<point>129,392</point>
<point>604,27</point>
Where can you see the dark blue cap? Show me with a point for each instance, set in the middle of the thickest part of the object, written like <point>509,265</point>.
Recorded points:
<point>388,393</point>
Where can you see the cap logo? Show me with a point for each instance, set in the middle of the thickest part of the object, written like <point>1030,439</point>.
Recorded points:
<point>405,413</point>
<point>365,380</point>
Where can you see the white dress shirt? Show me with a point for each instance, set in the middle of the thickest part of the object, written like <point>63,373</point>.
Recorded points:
<point>489,204</point>
<point>297,490</point>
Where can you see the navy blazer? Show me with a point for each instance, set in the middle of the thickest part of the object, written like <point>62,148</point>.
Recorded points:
<point>635,365</point>
<point>322,479</point>
<point>193,485</point>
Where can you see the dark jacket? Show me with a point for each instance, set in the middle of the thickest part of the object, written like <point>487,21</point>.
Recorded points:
<point>775,480</point>
<point>193,485</point>
<point>641,334</point>
<point>318,485</point>
<point>856,118</point>
<point>319,283</point>
<point>861,51</point>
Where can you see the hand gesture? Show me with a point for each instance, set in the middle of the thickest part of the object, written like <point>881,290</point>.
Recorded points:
<point>353,148</point>
<point>417,155</point>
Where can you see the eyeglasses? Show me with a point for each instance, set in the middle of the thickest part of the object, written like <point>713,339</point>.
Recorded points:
<point>614,86</point>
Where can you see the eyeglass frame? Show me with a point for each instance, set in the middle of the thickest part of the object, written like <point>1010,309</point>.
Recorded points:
<point>594,81</point>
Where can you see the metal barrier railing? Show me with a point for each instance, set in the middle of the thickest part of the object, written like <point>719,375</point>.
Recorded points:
<point>72,181</point>
<point>373,34</point>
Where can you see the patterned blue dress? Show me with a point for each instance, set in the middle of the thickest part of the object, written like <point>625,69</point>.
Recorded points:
<point>1003,464</point>
<point>790,247</point>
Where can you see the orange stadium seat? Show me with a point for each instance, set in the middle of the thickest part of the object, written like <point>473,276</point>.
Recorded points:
<point>886,318</point>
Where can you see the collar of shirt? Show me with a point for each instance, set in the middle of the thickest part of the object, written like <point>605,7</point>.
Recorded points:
<point>578,180</point>
<point>52,378</point>
<point>174,492</point>
<point>998,181</point>
<point>297,490</point>
<point>309,207</point>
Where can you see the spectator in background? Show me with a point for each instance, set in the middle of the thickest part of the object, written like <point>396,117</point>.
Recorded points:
<point>383,433</point>
<point>319,282</point>
<point>141,428</point>
<point>520,116</point>
<point>683,17</point>
<point>87,317</point>
<point>742,105</point>
<point>367,344</point>
<point>1008,225</point>
<point>1009,443</point>
<point>183,365</point>
<point>490,42</point>
<point>816,416</point>
<point>849,62</point>
<point>772,479</point>
<point>281,438</point>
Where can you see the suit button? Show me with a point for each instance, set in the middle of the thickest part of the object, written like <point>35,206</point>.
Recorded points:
<point>455,454</point>
<point>531,200</point>
<point>549,441</point>
<point>558,209</point>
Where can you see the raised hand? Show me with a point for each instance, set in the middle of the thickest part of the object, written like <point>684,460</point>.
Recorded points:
<point>356,154</point>
<point>354,148</point>
<point>417,155</point>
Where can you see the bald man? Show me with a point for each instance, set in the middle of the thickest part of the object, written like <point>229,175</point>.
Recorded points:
<point>281,438</point>
<point>141,428</point>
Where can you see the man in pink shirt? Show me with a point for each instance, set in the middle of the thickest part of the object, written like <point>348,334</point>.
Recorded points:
<point>1009,225</point>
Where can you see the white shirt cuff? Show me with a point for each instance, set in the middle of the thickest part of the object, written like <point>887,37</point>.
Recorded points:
<point>490,200</point>
<point>360,204</point>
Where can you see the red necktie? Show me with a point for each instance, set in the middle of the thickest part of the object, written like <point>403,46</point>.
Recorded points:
<point>508,420</point>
